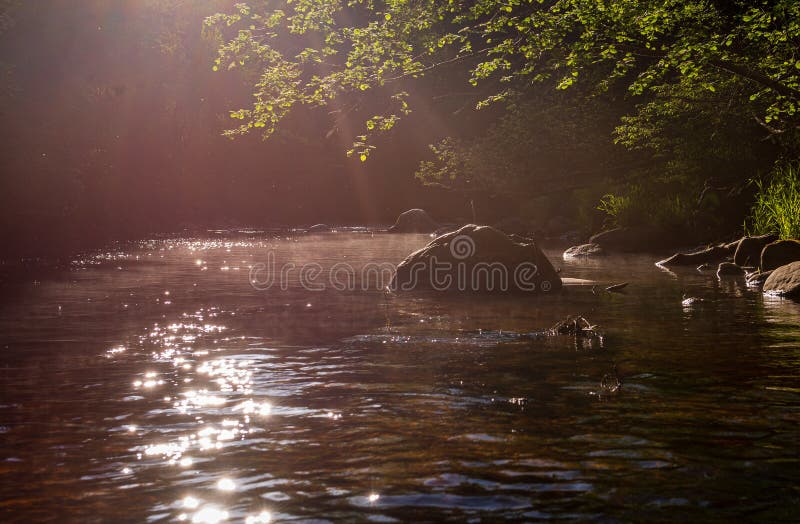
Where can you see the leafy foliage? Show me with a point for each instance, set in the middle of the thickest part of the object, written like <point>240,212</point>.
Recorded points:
<point>325,53</point>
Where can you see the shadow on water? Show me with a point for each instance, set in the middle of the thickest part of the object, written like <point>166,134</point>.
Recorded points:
<point>157,384</point>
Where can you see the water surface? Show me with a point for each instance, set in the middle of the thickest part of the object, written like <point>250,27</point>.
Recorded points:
<point>155,384</point>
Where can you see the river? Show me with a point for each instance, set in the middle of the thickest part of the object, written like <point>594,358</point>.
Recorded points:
<point>155,383</point>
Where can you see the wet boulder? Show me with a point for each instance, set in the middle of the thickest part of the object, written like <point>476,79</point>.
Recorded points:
<point>757,278</point>
<point>784,280</point>
<point>748,252</point>
<point>779,254</point>
<point>729,269</point>
<point>477,259</point>
<point>696,258</point>
<point>584,250</point>
<point>414,221</point>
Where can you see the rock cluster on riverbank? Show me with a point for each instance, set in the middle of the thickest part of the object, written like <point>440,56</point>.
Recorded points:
<point>763,260</point>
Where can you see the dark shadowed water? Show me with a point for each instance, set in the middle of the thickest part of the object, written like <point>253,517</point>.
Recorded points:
<point>156,384</point>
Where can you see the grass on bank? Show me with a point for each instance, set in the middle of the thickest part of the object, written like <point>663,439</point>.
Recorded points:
<point>639,206</point>
<point>777,205</point>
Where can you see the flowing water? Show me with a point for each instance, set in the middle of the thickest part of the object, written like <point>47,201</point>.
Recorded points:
<point>156,384</point>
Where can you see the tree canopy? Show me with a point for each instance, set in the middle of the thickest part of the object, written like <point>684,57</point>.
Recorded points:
<point>331,53</point>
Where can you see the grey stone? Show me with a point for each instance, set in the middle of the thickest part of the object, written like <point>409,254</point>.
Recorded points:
<point>729,269</point>
<point>784,280</point>
<point>414,221</point>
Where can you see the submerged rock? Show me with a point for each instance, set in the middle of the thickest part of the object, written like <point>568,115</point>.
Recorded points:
<point>575,326</point>
<point>784,281</point>
<point>689,302</point>
<point>477,259</point>
<point>414,221</point>
<point>779,254</point>
<point>748,251</point>
<point>729,269</point>
<point>584,250</point>
<point>319,228</point>
<point>711,254</point>
<point>611,382</point>
<point>585,334</point>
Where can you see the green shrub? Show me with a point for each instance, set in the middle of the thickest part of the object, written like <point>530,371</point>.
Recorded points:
<point>777,205</point>
<point>618,209</point>
<point>640,207</point>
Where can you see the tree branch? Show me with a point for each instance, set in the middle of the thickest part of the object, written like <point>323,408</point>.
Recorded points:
<point>729,67</point>
<point>755,76</point>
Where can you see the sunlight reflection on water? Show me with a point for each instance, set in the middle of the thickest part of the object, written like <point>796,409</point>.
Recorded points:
<point>221,411</point>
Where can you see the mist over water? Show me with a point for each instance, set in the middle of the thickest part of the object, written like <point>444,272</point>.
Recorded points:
<point>155,383</point>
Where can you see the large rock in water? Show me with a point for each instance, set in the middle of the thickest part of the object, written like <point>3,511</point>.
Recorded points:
<point>414,221</point>
<point>748,252</point>
<point>784,281</point>
<point>779,254</point>
<point>477,259</point>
